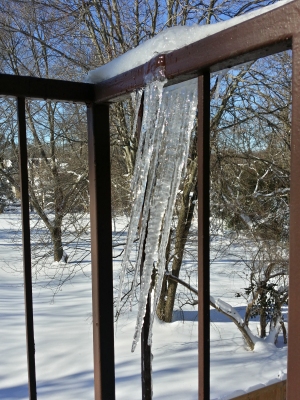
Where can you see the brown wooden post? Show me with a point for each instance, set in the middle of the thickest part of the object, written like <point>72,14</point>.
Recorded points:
<point>146,354</point>
<point>293,386</point>
<point>26,248</point>
<point>101,244</point>
<point>203,234</point>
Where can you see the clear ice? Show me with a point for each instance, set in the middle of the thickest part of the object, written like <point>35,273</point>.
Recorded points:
<point>168,120</point>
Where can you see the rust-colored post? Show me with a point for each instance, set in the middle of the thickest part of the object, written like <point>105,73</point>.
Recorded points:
<point>293,386</point>
<point>203,234</point>
<point>26,248</point>
<point>101,244</point>
<point>146,355</point>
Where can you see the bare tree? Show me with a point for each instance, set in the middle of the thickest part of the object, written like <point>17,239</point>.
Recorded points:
<point>63,39</point>
<point>57,152</point>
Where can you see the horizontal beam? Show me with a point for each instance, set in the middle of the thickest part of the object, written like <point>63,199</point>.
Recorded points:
<point>263,35</point>
<point>120,86</point>
<point>47,89</point>
<point>277,391</point>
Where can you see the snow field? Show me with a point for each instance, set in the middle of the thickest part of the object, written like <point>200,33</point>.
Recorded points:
<point>64,341</point>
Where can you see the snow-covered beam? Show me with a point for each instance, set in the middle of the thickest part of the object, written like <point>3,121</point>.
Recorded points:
<point>256,37</point>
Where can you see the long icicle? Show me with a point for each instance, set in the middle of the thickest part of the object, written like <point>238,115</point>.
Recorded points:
<point>153,95</point>
<point>182,154</point>
<point>175,129</point>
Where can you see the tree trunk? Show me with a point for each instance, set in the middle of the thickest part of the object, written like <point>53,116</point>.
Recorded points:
<point>263,324</point>
<point>57,244</point>
<point>169,303</point>
<point>161,306</point>
<point>167,299</point>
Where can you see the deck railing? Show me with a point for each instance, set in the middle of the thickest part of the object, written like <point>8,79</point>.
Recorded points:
<point>263,35</point>
<point>277,391</point>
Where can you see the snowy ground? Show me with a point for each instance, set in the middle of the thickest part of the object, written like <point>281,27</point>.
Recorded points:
<point>63,336</point>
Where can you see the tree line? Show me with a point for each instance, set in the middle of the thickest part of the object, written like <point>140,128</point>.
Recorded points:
<point>250,133</point>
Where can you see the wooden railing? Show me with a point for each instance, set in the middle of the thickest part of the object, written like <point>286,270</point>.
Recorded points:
<point>264,35</point>
<point>277,391</point>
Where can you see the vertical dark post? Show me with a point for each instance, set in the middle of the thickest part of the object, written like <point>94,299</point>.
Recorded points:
<point>146,355</point>
<point>101,243</point>
<point>293,386</point>
<point>26,248</point>
<point>203,233</point>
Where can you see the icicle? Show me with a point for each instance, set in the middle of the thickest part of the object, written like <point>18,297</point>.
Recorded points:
<point>159,127</point>
<point>188,118</point>
<point>152,100</point>
<point>178,110</point>
<point>136,99</point>
<point>220,76</point>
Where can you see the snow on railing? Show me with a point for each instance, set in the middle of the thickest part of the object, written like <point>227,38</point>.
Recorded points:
<point>169,40</point>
